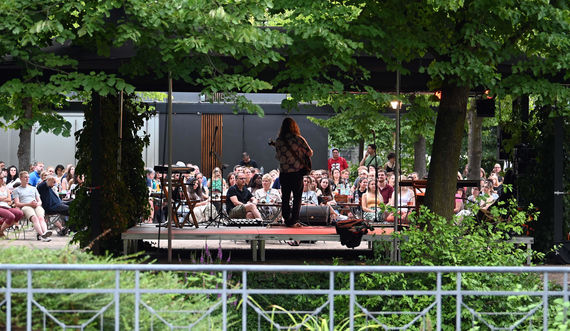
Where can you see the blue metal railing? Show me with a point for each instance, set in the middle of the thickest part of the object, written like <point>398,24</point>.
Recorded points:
<point>110,316</point>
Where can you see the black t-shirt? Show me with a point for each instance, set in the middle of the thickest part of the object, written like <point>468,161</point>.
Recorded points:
<point>243,196</point>
<point>250,164</point>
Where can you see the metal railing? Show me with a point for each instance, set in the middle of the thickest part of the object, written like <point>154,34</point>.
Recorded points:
<point>450,294</point>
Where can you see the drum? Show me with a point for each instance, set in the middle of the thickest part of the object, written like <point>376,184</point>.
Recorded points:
<point>314,215</point>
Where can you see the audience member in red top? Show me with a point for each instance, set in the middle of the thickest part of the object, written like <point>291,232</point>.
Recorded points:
<point>337,161</point>
<point>383,187</point>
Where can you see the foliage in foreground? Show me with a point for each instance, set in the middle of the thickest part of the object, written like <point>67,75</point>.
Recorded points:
<point>168,306</point>
<point>468,243</point>
<point>117,175</point>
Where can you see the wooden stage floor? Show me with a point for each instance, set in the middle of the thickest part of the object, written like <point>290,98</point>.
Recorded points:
<point>257,235</point>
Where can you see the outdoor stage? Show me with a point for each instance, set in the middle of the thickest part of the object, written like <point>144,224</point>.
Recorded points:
<point>257,235</point>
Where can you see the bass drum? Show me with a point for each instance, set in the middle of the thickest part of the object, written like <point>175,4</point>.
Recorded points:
<point>314,215</point>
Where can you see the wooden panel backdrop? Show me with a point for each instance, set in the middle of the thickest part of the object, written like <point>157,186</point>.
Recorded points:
<point>209,123</point>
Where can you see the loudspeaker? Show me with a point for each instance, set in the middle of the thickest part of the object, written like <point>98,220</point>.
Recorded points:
<point>314,215</point>
<point>485,107</point>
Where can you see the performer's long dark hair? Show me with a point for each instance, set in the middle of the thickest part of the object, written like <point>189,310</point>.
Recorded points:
<point>289,126</point>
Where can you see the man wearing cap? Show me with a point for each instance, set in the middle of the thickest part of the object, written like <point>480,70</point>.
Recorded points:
<point>337,161</point>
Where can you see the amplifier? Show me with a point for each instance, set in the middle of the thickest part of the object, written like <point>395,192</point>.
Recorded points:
<point>314,215</point>
<point>247,222</point>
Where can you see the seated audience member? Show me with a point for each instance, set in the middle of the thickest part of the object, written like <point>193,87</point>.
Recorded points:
<point>231,181</point>
<point>326,198</point>
<point>59,171</point>
<point>69,176</point>
<point>384,188</point>
<point>240,203</point>
<point>43,176</point>
<point>217,184</point>
<point>267,195</point>
<point>12,178</point>
<point>483,173</point>
<point>391,164</point>
<point>255,183</point>
<point>314,185</point>
<point>248,176</point>
<point>151,182</point>
<point>362,186</point>
<point>345,186</point>
<point>203,183</point>
<point>27,198</point>
<point>76,183</point>
<point>35,176</point>
<point>497,185</point>
<point>459,196</point>
<point>315,174</point>
<point>497,171</point>
<point>371,202</point>
<point>4,173</point>
<point>247,162</point>
<point>337,161</point>
<point>405,198</point>
<point>203,207</point>
<point>51,202</point>
<point>488,195</point>
<point>474,195</point>
<point>325,194</point>
<point>362,174</point>
<point>8,215</point>
<point>335,180</point>
<point>152,185</point>
<point>309,197</point>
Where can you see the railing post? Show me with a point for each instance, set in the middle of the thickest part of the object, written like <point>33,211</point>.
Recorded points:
<point>458,301</point>
<point>29,302</point>
<point>565,289</point>
<point>137,299</point>
<point>244,301</point>
<point>117,305</point>
<point>225,300</point>
<point>438,301</point>
<point>331,300</point>
<point>8,300</point>
<point>545,303</point>
<point>352,299</point>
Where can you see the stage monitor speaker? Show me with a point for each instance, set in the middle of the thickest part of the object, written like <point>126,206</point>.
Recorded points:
<point>314,215</point>
<point>485,107</point>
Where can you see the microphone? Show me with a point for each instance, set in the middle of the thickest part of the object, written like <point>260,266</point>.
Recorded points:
<point>373,135</point>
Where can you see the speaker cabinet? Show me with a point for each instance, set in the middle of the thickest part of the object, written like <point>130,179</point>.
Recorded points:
<point>485,107</point>
<point>314,215</point>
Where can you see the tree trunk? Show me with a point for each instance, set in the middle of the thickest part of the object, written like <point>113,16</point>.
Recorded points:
<point>475,145</point>
<point>420,156</point>
<point>360,150</point>
<point>25,145</point>
<point>442,179</point>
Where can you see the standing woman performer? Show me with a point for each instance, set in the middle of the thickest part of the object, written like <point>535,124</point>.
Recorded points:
<point>294,156</point>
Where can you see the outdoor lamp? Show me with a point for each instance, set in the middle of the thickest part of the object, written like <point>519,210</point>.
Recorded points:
<point>395,104</point>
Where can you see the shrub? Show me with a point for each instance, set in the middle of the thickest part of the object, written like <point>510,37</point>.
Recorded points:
<point>168,306</point>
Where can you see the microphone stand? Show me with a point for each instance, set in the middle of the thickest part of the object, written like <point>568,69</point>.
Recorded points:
<point>214,157</point>
<point>375,179</point>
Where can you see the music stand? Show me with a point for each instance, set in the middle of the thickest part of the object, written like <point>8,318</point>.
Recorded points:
<point>217,160</point>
